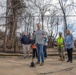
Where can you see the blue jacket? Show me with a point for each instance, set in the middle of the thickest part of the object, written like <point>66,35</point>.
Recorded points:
<point>69,40</point>
<point>25,40</point>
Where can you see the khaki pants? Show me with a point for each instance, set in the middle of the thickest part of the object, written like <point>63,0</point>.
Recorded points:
<point>61,52</point>
<point>26,49</point>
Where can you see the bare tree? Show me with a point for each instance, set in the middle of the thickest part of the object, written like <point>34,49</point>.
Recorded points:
<point>13,9</point>
<point>64,5</point>
<point>40,7</point>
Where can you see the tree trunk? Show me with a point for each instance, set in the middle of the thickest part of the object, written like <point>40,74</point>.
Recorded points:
<point>13,28</point>
<point>64,16</point>
<point>42,17</point>
<point>65,23</point>
<point>33,25</point>
<point>5,35</point>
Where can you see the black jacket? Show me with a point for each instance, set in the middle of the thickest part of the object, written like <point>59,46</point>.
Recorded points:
<point>25,40</point>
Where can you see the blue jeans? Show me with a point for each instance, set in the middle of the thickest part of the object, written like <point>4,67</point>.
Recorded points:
<point>44,50</point>
<point>40,52</point>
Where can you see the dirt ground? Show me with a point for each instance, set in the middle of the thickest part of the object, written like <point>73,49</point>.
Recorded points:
<point>17,65</point>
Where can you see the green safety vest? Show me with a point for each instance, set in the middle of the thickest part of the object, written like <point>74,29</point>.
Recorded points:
<point>60,40</point>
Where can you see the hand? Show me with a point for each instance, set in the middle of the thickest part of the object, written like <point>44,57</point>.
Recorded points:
<point>43,36</point>
<point>30,38</point>
<point>68,44</point>
<point>59,44</point>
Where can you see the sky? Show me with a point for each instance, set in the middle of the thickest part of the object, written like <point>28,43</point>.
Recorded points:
<point>70,20</point>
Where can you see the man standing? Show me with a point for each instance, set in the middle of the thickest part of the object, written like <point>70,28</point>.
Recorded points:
<point>39,44</point>
<point>60,42</point>
<point>26,41</point>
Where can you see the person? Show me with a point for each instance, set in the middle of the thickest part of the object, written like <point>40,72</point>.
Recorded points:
<point>52,42</point>
<point>45,47</point>
<point>40,35</point>
<point>60,43</point>
<point>34,45</point>
<point>49,41</point>
<point>26,41</point>
<point>69,44</point>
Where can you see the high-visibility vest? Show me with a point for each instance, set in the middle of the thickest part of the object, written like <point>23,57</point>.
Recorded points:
<point>60,40</point>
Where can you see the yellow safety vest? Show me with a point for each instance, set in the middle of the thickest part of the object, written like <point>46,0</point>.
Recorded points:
<point>60,40</point>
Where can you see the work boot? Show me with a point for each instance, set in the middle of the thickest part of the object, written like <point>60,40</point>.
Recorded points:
<point>42,64</point>
<point>60,59</point>
<point>63,58</point>
<point>37,62</point>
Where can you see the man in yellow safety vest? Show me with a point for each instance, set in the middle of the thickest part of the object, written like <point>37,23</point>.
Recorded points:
<point>60,43</point>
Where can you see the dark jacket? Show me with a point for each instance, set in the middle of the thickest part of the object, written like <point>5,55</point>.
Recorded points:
<point>33,40</point>
<point>25,40</point>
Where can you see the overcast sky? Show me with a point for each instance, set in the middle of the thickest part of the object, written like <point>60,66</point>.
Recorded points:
<point>70,21</point>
